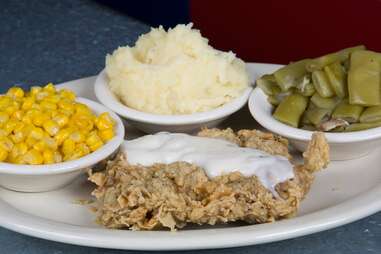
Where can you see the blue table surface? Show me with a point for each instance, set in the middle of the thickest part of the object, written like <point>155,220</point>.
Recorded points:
<point>44,41</point>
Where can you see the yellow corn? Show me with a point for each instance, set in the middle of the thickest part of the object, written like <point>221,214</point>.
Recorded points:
<point>66,105</point>
<point>48,156</point>
<point>18,114</point>
<point>36,133</point>
<point>39,146</point>
<point>39,119</point>
<point>29,141</point>
<point>51,127</point>
<point>106,134</point>
<point>18,136</point>
<point>9,126</point>
<point>77,137</point>
<point>67,94</point>
<point>60,119</point>
<point>15,92</point>
<point>68,146</point>
<point>3,154</point>
<point>57,156</point>
<point>28,103</point>
<point>5,101</point>
<point>4,117</point>
<point>33,157</point>
<point>34,90</point>
<point>41,95</point>
<point>47,105</point>
<point>17,151</point>
<point>62,135</point>
<point>104,121</point>
<point>6,144</point>
<point>51,143</point>
<point>49,88</point>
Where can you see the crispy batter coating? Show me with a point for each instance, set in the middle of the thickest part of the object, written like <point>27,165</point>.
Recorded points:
<point>170,196</point>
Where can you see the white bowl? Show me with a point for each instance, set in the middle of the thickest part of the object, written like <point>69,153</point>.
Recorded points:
<point>343,146</point>
<point>152,123</point>
<point>38,178</point>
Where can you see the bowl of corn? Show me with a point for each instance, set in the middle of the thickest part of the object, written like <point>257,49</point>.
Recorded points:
<point>48,137</point>
<point>338,93</point>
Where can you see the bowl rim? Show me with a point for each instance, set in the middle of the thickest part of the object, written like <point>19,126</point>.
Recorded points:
<point>107,98</point>
<point>78,164</point>
<point>260,109</point>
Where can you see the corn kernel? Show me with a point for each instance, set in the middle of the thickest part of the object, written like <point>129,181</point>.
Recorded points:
<point>39,119</point>
<point>5,101</point>
<point>46,105</point>
<point>48,156</point>
<point>53,98</point>
<point>57,156</point>
<point>62,135</point>
<point>41,95</point>
<point>17,115</point>
<point>51,143</point>
<point>15,92</point>
<point>33,157</point>
<point>82,122</point>
<point>18,150</point>
<point>11,109</point>
<point>49,88</point>
<point>3,133</point>
<point>61,119</point>
<point>6,143</point>
<point>4,117</point>
<point>66,105</point>
<point>67,94</point>
<point>106,134</point>
<point>82,109</point>
<point>29,141</point>
<point>51,127</point>
<point>3,154</point>
<point>93,138</point>
<point>36,133</point>
<point>39,146</point>
<point>77,137</point>
<point>34,90</point>
<point>10,126</point>
<point>68,146</point>
<point>18,136</point>
<point>28,103</point>
<point>104,121</point>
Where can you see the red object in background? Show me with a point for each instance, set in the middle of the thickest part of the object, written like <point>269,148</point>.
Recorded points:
<point>276,31</point>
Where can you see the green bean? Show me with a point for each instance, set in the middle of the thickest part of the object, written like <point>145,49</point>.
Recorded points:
<point>371,114</point>
<point>326,103</point>
<point>308,127</point>
<point>317,115</point>
<point>305,87</point>
<point>273,100</point>
<point>348,112</point>
<point>336,76</point>
<point>305,120</point>
<point>362,126</point>
<point>321,84</point>
<point>288,75</point>
<point>364,79</point>
<point>268,85</point>
<point>339,56</point>
<point>358,58</point>
<point>290,110</point>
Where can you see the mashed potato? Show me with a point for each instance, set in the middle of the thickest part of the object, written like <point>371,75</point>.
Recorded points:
<point>175,72</point>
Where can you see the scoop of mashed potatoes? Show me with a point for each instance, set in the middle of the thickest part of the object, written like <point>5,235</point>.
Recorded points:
<point>175,72</point>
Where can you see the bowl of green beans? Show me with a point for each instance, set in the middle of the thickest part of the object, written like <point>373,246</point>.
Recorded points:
<point>338,93</point>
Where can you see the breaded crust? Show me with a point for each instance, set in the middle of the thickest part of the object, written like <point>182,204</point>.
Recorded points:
<point>170,196</point>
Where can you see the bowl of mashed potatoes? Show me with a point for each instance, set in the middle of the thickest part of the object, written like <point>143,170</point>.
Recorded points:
<point>173,81</point>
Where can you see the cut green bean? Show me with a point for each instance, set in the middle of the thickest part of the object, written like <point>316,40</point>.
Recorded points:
<point>326,103</point>
<point>305,86</point>
<point>364,79</point>
<point>288,75</point>
<point>362,126</point>
<point>291,109</point>
<point>318,115</point>
<point>268,85</point>
<point>348,112</point>
<point>371,114</point>
<point>321,84</point>
<point>336,76</point>
<point>339,56</point>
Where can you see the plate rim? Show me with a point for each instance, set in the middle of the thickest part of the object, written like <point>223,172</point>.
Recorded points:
<point>355,208</point>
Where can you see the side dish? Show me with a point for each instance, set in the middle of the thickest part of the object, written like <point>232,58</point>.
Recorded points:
<point>338,92</point>
<point>169,180</point>
<point>175,72</point>
<point>46,125</point>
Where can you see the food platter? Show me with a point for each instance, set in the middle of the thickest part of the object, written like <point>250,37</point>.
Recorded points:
<point>338,196</point>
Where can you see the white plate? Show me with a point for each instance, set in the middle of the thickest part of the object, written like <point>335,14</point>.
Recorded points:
<point>345,192</point>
